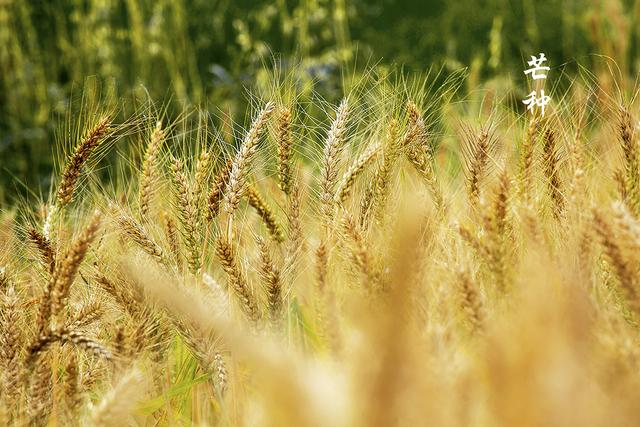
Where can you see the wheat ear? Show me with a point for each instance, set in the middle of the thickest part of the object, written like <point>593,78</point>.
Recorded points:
<point>216,194</point>
<point>631,153</point>
<point>141,238</point>
<point>72,392</point>
<point>44,246</point>
<point>237,280</point>
<point>77,160</point>
<point>171,233</point>
<point>378,190</point>
<point>271,280</point>
<point>478,157</point>
<point>331,157</point>
<point>67,269</point>
<point>150,164</point>
<point>551,168</point>
<point>614,255</point>
<point>418,151</point>
<point>120,401</point>
<point>349,177</point>
<point>470,301</point>
<point>86,315</point>
<point>242,161</point>
<point>264,211</point>
<point>201,182</point>
<point>360,252</point>
<point>284,140</point>
<point>526,159</point>
<point>10,345</point>
<point>39,400</point>
<point>188,216</point>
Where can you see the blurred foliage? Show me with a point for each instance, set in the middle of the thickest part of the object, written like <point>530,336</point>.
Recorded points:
<point>207,52</point>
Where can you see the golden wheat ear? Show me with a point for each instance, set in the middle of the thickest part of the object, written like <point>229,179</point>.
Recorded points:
<point>119,402</point>
<point>271,281</point>
<point>477,148</point>
<point>377,192</point>
<point>11,343</point>
<point>73,396</point>
<point>188,216</point>
<point>149,174</point>
<point>216,194</point>
<point>239,169</point>
<point>295,229</point>
<point>80,155</point>
<point>284,141</point>
<point>419,153</point>
<point>360,253</point>
<point>265,212</point>
<point>333,147</point>
<point>631,153</point>
<point>349,177</point>
<point>140,237</point>
<point>237,280</point>
<point>551,162</point>
<point>471,302</point>
<point>625,273</point>
<point>69,265</point>
<point>527,157</point>
<point>39,390</point>
<point>44,246</point>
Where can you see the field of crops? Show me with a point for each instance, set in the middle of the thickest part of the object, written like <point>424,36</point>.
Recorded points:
<point>374,247</point>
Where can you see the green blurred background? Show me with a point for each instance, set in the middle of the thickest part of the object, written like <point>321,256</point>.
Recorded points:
<point>208,52</point>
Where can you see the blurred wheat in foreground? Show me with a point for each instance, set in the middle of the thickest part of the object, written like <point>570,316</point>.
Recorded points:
<point>406,261</point>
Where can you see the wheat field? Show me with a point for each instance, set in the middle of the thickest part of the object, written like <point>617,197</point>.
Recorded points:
<point>404,258</point>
